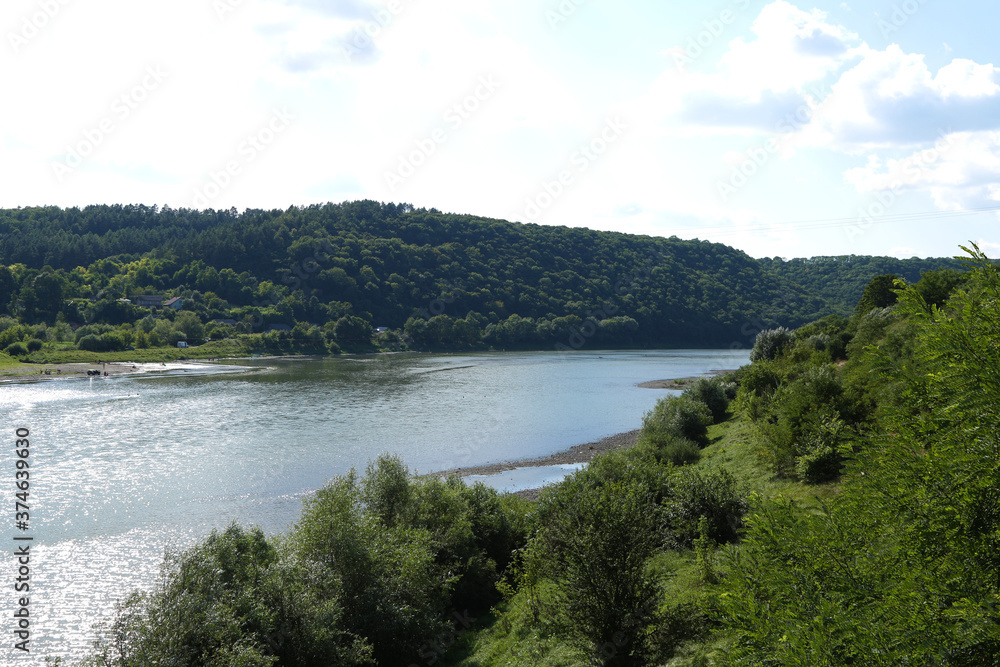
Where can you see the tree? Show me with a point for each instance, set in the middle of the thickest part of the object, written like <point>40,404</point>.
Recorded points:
<point>770,343</point>
<point>879,293</point>
<point>352,330</point>
<point>190,325</point>
<point>595,547</point>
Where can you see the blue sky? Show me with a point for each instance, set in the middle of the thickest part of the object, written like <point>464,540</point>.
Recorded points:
<point>782,128</point>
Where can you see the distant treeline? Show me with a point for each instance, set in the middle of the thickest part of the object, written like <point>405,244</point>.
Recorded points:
<point>433,280</point>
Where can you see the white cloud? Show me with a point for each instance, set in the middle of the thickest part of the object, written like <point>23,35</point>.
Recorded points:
<point>758,82</point>
<point>990,248</point>
<point>891,98</point>
<point>961,171</point>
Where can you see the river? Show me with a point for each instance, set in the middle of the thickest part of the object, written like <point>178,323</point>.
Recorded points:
<point>124,467</point>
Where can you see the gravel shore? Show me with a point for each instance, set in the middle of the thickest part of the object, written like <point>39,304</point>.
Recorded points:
<point>576,454</point>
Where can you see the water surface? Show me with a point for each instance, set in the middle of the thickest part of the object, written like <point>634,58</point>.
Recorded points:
<point>124,467</point>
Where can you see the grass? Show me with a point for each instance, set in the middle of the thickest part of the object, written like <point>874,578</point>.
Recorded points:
<point>8,362</point>
<point>59,354</point>
<point>733,449</point>
<point>513,637</point>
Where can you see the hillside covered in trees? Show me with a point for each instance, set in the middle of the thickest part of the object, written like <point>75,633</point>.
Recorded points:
<point>321,278</point>
<point>840,281</point>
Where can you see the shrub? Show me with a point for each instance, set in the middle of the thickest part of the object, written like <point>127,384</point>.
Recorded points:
<point>34,345</point>
<point>820,464</point>
<point>819,450</point>
<point>16,349</point>
<point>715,495</point>
<point>712,393</point>
<point>770,343</point>
<point>95,343</point>
<point>677,416</point>
<point>758,384</point>
<point>233,600</point>
<point>596,550</point>
<point>393,591</point>
<point>675,451</point>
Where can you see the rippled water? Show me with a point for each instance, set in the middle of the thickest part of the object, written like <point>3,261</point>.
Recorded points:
<point>124,467</point>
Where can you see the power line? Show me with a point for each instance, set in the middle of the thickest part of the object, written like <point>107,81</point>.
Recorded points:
<point>831,223</point>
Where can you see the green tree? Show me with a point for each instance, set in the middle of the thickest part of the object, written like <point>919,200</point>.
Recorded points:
<point>352,330</point>
<point>902,566</point>
<point>879,293</point>
<point>595,548</point>
<point>191,326</point>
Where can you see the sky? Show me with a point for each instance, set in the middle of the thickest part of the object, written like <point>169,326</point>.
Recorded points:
<point>785,129</point>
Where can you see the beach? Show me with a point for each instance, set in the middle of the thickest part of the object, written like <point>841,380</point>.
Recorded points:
<point>577,454</point>
<point>80,369</point>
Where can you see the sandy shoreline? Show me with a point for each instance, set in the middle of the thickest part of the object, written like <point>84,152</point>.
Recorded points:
<point>680,383</point>
<point>80,369</point>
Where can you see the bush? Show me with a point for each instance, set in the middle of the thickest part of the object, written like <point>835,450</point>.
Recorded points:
<point>712,393</point>
<point>819,450</point>
<point>234,600</point>
<point>818,465</point>
<point>677,416</point>
<point>95,343</point>
<point>34,345</point>
<point>758,383</point>
<point>393,591</point>
<point>595,549</point>
<point>674,451</point>
<point>16,349</point>
<point>770,343</point>
<point>715,495</point>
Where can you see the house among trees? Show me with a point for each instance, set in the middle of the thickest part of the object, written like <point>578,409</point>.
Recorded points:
<point>175,303</point>
<point>148,301</point>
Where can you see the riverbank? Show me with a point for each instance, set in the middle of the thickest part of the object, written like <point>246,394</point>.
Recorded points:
<point>681,383</point>
<point>577,454</point>
<point>96,369</point>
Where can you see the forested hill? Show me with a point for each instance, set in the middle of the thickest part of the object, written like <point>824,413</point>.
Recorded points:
<point>447,281</point>
<point>840,281</point>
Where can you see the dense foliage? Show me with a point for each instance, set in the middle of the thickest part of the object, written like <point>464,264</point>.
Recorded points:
<point>320,278</point>
<point>840,281</point>
<point>382,570</point>
<point>901,567</point>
